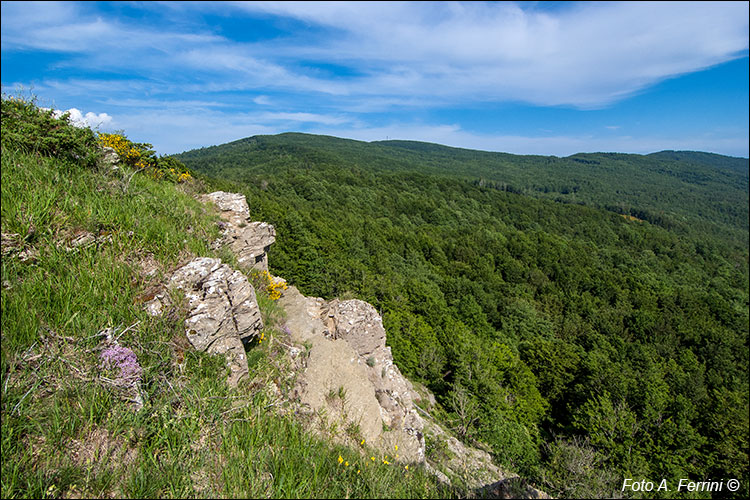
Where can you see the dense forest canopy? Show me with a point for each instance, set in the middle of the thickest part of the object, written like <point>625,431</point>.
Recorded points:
<point>696,192</point>
<point>587,313</point>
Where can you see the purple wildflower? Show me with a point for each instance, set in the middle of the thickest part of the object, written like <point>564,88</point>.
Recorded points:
<point>286,329</point>
<point>123,359</point>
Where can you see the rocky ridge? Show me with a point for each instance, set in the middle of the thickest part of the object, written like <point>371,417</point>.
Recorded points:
<point>346,377</point>
<point>248,240</point>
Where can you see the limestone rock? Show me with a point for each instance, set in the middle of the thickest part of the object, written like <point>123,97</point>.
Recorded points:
<point>361,326</point>
<point>251,244</point>
<point>232,205</point>
<point>110,159</point>
<point>249,241</point>
<point>347,376</point>
<point>222,311</point>
<point>348,355</point>
<point>358,323</point>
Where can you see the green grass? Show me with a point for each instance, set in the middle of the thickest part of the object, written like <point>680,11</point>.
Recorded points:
<point>66,431</point>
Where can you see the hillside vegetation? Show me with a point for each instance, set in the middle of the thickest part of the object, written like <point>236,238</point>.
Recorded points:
<point>689,192</point>
<point>585,317</point>
<point>99,399</point>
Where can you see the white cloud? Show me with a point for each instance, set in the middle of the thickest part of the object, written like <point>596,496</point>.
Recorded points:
<point>69,27</point>
<point>78,119</point>
<point>303,118</point>
<point>189,104</point>
<point>174,69</point>
<point>173,131</point>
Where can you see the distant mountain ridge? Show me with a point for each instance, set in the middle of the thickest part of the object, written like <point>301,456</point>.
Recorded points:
<point>688,190</point>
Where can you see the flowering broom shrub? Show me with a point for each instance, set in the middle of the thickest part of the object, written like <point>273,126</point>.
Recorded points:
<point>141,156</point>
<point>262,280</point>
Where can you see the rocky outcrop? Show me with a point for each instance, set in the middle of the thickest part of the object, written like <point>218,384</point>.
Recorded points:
<point>358,323</point>
<point>347,379</point>
<point>249,241</point>
<point>349,374</point>
<point>350,379</point>
<point>222,311</point>
<point>109,159</point>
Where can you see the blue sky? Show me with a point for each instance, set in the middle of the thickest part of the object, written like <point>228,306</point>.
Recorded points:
<point>551,78</point>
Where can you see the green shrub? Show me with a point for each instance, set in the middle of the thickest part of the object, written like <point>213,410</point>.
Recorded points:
<point>37,131</point>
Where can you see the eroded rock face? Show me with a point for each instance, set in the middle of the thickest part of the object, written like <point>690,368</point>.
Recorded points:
<point>234,204</point>
<point>360,325</point>
<point>348,356</point>
<point>222,308</point>
<point>249,241</point>
<point>222,311</point>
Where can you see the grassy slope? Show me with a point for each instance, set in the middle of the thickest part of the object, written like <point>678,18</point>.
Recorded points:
<point>67,431</point>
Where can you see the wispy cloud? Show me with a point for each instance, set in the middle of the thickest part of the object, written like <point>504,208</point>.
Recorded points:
<point>304,118</point>
<point>174,132</point>
<point>588,55</point>
<point>263,100</point>
<point>559,145</point>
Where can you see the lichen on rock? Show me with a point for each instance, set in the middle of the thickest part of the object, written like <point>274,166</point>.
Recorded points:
<point>248,240</point>
<point>222,310</point>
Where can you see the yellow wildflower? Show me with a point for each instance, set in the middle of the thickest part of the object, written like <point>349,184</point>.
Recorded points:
<point>340,459</point>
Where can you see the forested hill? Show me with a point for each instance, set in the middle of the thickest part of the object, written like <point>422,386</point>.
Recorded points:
<point>585,317</point>
<point>697,192</point>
